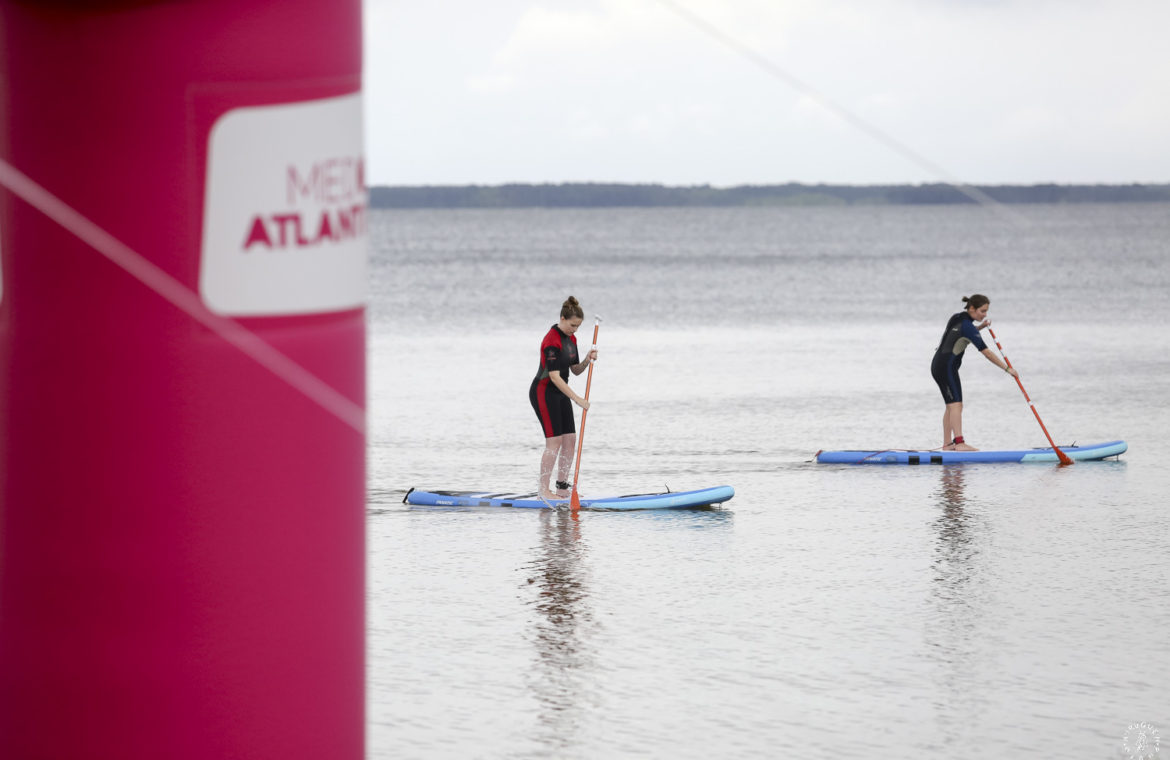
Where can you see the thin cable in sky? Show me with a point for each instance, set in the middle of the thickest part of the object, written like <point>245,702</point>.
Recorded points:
<point>840,111</point>
<point>252,345</point>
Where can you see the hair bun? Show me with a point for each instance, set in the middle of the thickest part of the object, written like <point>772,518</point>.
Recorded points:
<point>570,308</point>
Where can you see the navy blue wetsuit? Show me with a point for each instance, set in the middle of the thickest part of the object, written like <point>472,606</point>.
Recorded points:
<point>554,409</point>
<point>948,357</point>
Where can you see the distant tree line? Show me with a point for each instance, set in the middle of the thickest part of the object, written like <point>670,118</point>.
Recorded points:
<point>792,194</point>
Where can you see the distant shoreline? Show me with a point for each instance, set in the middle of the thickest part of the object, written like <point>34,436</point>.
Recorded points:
<point>588,195</point>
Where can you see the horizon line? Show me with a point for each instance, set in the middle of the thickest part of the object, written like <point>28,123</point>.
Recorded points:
<point>790,183</point>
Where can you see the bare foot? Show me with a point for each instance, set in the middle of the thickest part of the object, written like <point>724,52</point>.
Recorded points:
<point>948,447</point>
<point>562,494</point>
<point>964,447</point>
<point>548,495</point>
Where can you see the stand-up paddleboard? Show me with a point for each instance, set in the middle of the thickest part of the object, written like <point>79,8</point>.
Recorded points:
<point>706,497</point>
<point>1087,453</point>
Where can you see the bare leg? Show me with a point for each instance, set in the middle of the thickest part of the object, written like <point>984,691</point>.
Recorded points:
<point>953,428</point>
<point>565,460</point>
<point>949,413</point>
<point>548,460</point>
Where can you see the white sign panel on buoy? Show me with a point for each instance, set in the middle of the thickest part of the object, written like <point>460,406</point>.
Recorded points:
<point>284,224</point>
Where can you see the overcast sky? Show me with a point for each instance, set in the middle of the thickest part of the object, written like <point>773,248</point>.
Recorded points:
<point>767,91</point>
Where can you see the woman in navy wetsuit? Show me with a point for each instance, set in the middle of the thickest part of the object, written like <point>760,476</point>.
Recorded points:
<point>960,332</point>
<point>552,398</point>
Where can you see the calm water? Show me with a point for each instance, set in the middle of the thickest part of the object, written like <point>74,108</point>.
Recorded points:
<point>871,612</point>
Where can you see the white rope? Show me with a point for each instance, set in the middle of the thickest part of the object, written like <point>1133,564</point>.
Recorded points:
<point>842,112</point>
<point>182,297</point>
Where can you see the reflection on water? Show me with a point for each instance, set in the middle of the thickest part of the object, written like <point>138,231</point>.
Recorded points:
<point>957,597</point>
<point>563,658</point>
<point>957,549</point>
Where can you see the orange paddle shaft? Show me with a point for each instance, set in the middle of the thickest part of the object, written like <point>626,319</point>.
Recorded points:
<point>1064,458</point>
<point>575,498</point>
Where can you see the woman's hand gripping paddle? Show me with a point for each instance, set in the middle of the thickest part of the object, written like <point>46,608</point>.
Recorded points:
<point>1064,458</point>
<point>575,498</point>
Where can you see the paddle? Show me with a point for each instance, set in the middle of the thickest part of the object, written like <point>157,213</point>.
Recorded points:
<point>575,498</point>
<point>1064,458</point>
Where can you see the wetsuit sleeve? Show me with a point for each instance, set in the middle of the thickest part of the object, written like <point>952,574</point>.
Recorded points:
<point>971,333</point>
<point>552,357</point>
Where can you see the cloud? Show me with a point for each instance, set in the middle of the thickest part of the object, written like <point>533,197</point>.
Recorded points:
<point>634,91</point>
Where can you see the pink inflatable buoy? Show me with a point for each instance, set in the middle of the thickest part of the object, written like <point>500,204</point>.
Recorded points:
<point>182,379</point>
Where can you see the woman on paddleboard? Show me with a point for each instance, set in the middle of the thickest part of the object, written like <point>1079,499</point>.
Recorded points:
<point>962,330</point>
<point>552,398</point>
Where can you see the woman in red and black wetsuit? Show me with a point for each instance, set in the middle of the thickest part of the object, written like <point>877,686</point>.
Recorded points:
<point>552,398</point>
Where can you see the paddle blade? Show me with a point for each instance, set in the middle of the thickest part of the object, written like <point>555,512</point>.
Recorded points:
<point>1064,458</point>
<point>575,499</point>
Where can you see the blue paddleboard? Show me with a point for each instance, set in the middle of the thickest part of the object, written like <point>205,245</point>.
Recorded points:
<point>704,497</point>
<point>897,456</point>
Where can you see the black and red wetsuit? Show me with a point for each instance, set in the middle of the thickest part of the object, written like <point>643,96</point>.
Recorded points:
<point>961,331</point>
<point>554,409</point>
